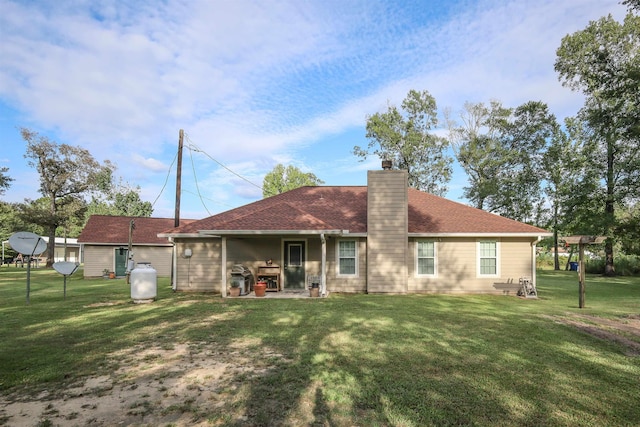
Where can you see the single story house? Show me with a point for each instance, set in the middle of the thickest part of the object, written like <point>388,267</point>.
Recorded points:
<point>380,238</point>
<point>64,248</point>
<point>106,244</point>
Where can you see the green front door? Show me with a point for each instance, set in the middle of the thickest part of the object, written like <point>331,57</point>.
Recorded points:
<point>294,253</point>
<point>121,261</point>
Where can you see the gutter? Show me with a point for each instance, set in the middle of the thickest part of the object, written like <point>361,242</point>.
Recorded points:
<point>323,266</point>
<point>498,234</point>
<point>220,233</point>
<point>170,235</point>
<point>174,266</point>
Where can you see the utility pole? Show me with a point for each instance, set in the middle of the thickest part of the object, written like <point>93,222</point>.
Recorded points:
<point>179,178</point>
<point>130,263</point>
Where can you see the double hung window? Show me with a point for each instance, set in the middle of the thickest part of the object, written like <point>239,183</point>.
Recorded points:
<point>425,258</point>
<point>488,261</point>
<point>347,254</point>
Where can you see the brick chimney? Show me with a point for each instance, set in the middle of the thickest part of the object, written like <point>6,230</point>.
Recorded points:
<point>387,230</point>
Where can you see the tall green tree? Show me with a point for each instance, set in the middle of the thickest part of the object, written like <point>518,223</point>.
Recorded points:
<point>11,221</point>
<point>524,142</point>
<point>501,150</point>
<point>119,199</point>
<point>603,62</point>
<point>563,168</point>
<point>5,180</point>
<point>632,4</point>
<point>406,138</point>
<point>68,221</point>
<point>473,139</point>
<point>129,203</point>
<point>282,179</point>
<point>66,172</point>
<point>629,228</point>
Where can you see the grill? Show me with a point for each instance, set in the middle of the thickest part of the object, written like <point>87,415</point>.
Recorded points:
<point>242,275</point>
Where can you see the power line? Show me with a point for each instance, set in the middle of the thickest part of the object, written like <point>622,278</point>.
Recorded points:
<point>195,177</point>
<point>165,181</point>
<point>209,199</point>
<point>193,147</point>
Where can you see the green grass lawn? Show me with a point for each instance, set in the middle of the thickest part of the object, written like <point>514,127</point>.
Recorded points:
<point>410,360</point>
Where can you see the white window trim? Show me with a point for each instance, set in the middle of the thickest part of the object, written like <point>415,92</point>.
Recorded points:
<point>498,262</point>
<point>338,274</point>
<point>435,258</point>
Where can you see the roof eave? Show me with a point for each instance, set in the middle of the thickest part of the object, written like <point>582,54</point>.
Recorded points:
<point>178,235</point>
<point>486,234</point>
<point>202,233</point>
<point>125,244</point>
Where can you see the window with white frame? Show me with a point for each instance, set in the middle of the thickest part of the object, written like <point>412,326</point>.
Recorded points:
<point>347,258</point>
<point>425,258</point>
<point>488,261</point>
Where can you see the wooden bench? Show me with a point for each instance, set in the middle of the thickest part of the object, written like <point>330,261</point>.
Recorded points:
<point>509,287</point>
<point>524,287</point>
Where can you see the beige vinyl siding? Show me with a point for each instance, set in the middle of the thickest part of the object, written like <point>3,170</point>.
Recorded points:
<point>158,256</point>
<point>387,227</point>
<point>96,259</point>
<point>313,263</point>
<point>201,272</point>
<point>457,265</point>
<point>99,257</point>
<point>346,283</point>
<point>516,259</point>
<point>252,253</point>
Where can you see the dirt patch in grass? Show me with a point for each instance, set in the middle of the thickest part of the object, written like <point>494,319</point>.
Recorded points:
<point>187,385</point>
<point>624,331</point>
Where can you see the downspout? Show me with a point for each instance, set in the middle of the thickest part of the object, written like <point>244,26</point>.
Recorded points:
<point>223,269</point>
<point>323,264</point>
<point>174,267</point>
<point>534,280</point>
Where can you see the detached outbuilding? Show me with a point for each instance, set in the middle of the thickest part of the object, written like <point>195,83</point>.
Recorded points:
<point>106,242</point>
<point>379,238</point>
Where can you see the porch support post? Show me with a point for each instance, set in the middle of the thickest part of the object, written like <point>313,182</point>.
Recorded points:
<point>534,274</point>
<point>323,266</point>
<point>581,275</point>
<point>223,269</point>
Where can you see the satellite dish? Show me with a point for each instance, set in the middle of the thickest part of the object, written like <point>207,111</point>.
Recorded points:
<point>27,243</point>
<point>65,268</point>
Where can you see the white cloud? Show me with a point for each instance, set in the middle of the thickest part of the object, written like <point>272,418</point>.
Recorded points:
<point>257,83</point>
<point>150,163</point>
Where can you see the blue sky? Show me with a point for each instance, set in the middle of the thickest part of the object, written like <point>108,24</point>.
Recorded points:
<point>256,83</point>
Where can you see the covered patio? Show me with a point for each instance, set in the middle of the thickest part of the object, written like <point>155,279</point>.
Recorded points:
<point>301,294</point>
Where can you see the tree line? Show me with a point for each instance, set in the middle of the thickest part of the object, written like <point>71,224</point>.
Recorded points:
<point>581,176</point>
<point>73,186</point>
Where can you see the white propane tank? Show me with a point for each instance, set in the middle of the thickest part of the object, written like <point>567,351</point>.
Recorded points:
<point>144,285</point>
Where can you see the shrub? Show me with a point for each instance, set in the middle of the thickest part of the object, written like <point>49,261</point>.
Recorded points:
<point>625,265</point>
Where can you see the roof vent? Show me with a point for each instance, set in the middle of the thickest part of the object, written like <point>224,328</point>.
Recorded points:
<point>386,165</point>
